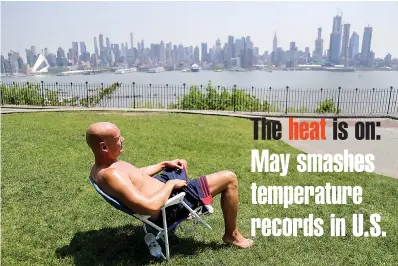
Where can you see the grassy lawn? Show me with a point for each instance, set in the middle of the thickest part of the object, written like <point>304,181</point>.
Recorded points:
<point>51,215</point>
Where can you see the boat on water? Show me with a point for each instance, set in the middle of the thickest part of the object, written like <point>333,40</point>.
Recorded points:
<point>237,69</point>
<point>125,70</point>
<point>186,70</point>
<point>339,69</point>
<point>155,70</point>
<point>195,68</point>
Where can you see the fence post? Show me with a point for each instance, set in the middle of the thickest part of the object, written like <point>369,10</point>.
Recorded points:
<point>134,95</point>
<point>287,94</point>
<point>338,102</point>
<point>251,100</point>
<point>389,101</point>
<point>42,93</point>
<point>233,97</point>
<point>183,108</point>
<point>196,101</point>
<point>87,94</point>
<point>150,95</point>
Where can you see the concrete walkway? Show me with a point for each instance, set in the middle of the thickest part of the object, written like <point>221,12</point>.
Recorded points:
<point>384,150</point>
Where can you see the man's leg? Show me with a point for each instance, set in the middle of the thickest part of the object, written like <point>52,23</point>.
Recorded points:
<point>226,183</point>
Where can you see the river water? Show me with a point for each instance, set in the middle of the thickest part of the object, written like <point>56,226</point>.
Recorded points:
<point>281,79</point>
<point>306,88</point>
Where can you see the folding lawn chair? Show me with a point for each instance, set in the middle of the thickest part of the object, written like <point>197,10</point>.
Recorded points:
<point>162,232</point>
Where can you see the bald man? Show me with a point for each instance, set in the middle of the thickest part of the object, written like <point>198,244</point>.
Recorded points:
<point>145,191</point>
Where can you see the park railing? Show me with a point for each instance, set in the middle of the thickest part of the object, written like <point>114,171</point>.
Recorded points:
<point>287,100</point>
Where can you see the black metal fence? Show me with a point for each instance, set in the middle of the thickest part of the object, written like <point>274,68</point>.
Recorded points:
<point>288,100</point>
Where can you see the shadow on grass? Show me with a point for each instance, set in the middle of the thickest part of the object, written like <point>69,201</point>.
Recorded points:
<point>124,246</point>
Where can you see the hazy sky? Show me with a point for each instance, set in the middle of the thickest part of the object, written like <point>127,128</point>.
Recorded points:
<point>54,24</point>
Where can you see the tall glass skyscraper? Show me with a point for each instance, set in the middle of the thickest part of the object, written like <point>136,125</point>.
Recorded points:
<point>335,41</point>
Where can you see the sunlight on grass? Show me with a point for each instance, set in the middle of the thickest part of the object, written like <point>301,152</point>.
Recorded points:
<point>51,215</point>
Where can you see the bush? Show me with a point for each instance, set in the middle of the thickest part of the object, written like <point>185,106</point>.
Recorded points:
<point>100,94</point>
<point>29,94</point>
<point>224,100</point>
<point>32,94</point>
<point>327,106</point>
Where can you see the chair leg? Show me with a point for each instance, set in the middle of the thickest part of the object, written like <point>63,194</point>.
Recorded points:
<point>166,236</point>
<point>196,216</point>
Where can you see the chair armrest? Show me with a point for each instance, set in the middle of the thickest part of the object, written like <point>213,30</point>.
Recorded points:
<point>174,200</point>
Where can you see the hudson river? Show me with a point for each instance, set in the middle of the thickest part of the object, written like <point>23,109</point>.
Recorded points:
<point>304,93</point>
<point>276,79</point>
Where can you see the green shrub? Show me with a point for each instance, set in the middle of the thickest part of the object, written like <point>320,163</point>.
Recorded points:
<point>326,106</point>
<point>100,93</point>
<point>224,100</point>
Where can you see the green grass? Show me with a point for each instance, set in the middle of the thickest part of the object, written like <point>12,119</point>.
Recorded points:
<point>51,215</point>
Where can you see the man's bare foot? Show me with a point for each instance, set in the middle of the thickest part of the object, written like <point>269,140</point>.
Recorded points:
<point>238,241</point>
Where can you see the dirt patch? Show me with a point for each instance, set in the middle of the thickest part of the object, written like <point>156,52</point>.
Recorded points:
<point>133,113</point>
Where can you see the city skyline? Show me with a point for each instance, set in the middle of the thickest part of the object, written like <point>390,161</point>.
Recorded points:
<point>18,38</point>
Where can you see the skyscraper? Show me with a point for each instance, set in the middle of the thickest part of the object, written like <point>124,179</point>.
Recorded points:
<point>29,57</point>
<point>366,43</point>
<point>248,59</point>
<point>162,53</point>
<point>131,41</point>
<point>116,53</point>
<point>101,43</point>
<point>353,48</point>
<point>319,45</point>
<point>82,48</point>
<point>95,46</point>
<point>344,45</point>
<point>240,47</point>
<point>275,44</point>
<point>196,54</point>
<point>108,43</point>
<point>274,50</point>
<point>335,41</point>
<point>204,52</point>
<point>13,59</point>
<point>122,52</point>
<point>61,58</point>
<point>293,54</point>
<point>33,49</point>
<point>307,54</point>
<point>230,47</point>
<point>75,52</point>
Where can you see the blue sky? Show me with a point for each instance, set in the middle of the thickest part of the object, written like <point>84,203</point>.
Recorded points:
<point>54,24</point>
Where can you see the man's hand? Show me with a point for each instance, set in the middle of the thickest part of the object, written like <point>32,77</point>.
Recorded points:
<point>174,164</point>
<point>178,183</point>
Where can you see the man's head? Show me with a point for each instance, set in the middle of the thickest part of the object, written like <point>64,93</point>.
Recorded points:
<point>105,140</point>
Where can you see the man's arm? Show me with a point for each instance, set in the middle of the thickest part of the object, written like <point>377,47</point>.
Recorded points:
<point>156,168</point>
<point>133,199</point>
<point>153,169</point>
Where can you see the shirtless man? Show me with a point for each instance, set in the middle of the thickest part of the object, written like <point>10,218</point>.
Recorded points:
<point>145,192</point>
